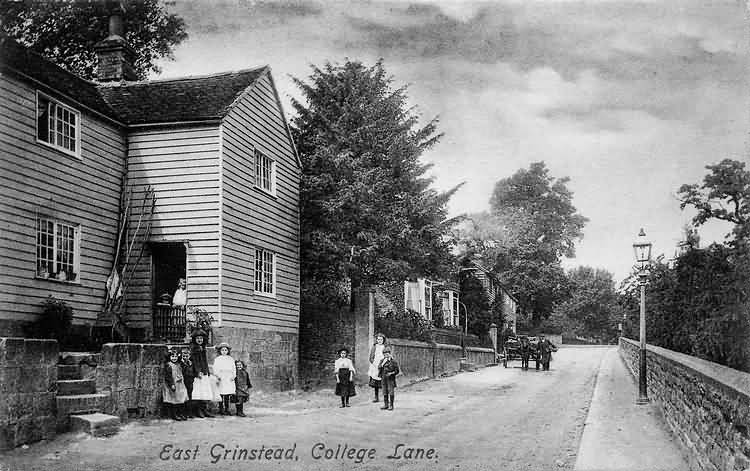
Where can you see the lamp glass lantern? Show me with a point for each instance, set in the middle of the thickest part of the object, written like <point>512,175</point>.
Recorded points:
<point>642,248</point>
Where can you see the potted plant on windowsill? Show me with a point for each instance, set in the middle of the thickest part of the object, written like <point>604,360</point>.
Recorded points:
<point>42,271</point>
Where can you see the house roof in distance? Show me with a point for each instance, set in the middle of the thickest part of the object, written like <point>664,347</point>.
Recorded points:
<point>178,100</point>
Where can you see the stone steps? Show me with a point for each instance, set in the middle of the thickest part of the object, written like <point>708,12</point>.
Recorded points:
<point>79,406</point>
<point>95,424</point>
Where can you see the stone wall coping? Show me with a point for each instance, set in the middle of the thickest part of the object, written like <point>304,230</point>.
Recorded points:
<point>26,339</point>
<point>409,343</point>
<point>119,344</point>
<point>735,379</point>
<point>480,349</point>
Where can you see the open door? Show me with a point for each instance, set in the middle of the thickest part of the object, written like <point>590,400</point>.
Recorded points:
<point>169,264</point>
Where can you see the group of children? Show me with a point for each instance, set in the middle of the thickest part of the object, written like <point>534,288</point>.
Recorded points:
<point>189,386</point>
<point>382,372</point>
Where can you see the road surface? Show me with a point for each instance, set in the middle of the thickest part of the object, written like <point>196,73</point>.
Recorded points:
<point>491,419</point>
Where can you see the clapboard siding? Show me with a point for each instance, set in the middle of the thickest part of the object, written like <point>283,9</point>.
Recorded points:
<point>182,165</point>
<point>39,180</point>
<point>253,219</point>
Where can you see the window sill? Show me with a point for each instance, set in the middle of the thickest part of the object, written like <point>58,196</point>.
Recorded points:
<point>55,280</point>
<point>264,295</point>
<point>62,150</point>
<point>266,192</point>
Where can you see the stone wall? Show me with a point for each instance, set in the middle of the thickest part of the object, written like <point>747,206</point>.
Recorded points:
<point>706,405</point>
<point>28,386</point>
<point>322,333</point>
<point>271,357</point>
<point>132,375</point>
<point>423,360</point>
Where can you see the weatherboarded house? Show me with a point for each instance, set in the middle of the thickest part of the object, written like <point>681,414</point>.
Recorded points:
<point>217,152</point>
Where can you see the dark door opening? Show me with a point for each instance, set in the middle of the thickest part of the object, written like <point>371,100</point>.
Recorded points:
<point>169,264</point>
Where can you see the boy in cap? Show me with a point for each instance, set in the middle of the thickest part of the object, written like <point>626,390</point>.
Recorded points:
<point>388,371</point>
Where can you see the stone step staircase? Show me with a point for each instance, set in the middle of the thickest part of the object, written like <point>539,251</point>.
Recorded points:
<point>79,406</point>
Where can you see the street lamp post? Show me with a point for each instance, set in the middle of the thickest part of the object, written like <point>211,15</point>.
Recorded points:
<point>642,248</point>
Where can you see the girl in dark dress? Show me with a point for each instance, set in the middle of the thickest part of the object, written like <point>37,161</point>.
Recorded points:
<point>202,390</point>
<point>344,371</point>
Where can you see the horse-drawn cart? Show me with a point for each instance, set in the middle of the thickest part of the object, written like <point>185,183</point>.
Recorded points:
<point>512,350</point>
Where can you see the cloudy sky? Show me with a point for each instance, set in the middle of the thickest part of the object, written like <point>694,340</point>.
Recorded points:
<point>628,99</point>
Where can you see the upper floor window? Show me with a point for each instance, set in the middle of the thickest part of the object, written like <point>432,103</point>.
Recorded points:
<point>265,272</point>
<point>265,173</point>
<point>58,125</point>
<point>57,250</point>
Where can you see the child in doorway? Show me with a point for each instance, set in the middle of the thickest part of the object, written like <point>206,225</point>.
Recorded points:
<point>226,371</point>
<point>344,372</point>
<point>388,371</point>
<point>242,386</point>
<point>174,393</point>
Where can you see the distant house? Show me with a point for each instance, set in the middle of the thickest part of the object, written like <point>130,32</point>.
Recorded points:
<point>497,292</point>
<point>433,299</point>
<point>220,158</point>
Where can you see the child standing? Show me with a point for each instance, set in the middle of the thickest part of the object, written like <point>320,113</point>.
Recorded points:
<point>388,371</point>
<point>226,371</point>
<point>344,372</point>
<point>188,374</point>
<point>174,392</point>
<point>376,356</point>
<point>202,390</point>
<point>242,385</point>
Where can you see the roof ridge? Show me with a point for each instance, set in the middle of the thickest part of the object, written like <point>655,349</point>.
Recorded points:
<point>181,79</point>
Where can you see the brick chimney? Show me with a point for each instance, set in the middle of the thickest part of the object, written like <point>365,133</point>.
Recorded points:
<point>116,58</point>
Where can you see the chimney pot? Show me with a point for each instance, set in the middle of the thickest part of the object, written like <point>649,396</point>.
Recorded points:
<point>115,24</point>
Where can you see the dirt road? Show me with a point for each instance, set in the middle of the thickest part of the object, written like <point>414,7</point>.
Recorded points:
<point>491,419</point>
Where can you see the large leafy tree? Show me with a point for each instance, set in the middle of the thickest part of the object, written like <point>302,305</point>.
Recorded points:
<point>66,31</point>
<point>368,212</point>
<point>537,210</point>
<point>724,195</point>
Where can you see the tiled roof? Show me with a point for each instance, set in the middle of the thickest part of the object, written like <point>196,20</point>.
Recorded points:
<point>184,99</point>
<point>159,101</point>
<point>22,60</point>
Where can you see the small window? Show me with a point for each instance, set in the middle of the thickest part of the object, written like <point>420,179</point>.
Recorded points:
<point>265,173</point>
<point>58,125</point>
<point>265,272</point>
<point>57,250</point>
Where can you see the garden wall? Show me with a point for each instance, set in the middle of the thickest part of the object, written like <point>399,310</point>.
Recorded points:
<point>706,405</point>
<point>28,386</point>
<point>423,360</point>
<point>132,374</point>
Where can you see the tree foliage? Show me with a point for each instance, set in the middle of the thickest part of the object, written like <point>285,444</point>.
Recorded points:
<point>699,306</point>
<point>724,195</point>
<point>368,211</point>
<point>531,225</point>
<point>66,31</point>
<point>592,309</point>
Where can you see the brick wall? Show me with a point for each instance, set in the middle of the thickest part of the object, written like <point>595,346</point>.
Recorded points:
<point>28,386</point>
<point>132,374</point>
<point>422,360</point>
<point>706,405</point>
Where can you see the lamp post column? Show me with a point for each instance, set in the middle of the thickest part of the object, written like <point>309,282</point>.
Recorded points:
<point>642,388</point>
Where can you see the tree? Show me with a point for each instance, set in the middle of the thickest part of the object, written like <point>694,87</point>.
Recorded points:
<point>592,310</point>
<point>545,204</point>
<point>368,212</point>
<point>531,225</point>
<point>724,195</point>
<point>66,31</point>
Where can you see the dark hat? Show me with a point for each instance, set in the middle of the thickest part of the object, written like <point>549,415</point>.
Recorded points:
<point>223,345</point>
<point>198,332</point>
<point>343,349</point>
